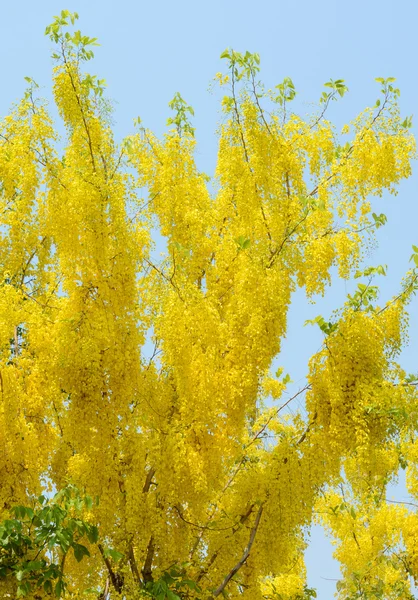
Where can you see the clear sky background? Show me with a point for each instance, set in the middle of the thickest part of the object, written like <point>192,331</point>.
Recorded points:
<point>151,50</point>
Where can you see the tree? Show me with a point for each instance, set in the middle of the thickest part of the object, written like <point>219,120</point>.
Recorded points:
<point>204,485</point>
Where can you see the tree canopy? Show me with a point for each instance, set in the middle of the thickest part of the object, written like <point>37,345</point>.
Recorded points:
<point>178,472</point>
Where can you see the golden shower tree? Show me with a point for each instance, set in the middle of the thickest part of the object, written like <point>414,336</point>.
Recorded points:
<point>179,472</point>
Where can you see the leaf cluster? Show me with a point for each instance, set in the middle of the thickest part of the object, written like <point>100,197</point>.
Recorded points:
<point>181,119</point>
<point>172,585</point>
<point>34,543</point>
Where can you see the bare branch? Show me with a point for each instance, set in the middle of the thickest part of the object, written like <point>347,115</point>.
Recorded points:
<point>244,557</point>
<point>115,578</point>
<point>133,565</point>
<point>147,568</point>
<point>148,480</point>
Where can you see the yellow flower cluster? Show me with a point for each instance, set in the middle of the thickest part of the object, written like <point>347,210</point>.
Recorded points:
<point>189,465</point>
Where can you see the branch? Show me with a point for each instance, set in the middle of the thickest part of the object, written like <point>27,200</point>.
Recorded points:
<point>266,424</point>
<point>196,525</point>
<point>89,141</point>
<point>402,502</point>
<point>330,97</point>
<point>164,276</point>
<point>115,578</point>
<point>258,103</point>
<point>244,145</point>
<point>242,462</point>
<point>277,251</point>
<point>351,149</point>
<point>214,556</point>
<point>147,568</point>
<point>404,292</point>
<point>133,565</point>
<point>105,594</point>
<point>244,557</point>
<point>148,480</point>
<point>307,430</point>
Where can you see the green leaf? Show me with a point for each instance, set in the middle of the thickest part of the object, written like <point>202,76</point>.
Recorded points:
<point>287,379</point>
<point>59,588</point>
<point>93,534</point>
<point>243,242</point>
<point>34,565</point>
<point>411,378</point>
<point>48,586</point>
<point>114,554</point>
<point>80,551</point>
<point>379,220</point>
<point>23,589</point>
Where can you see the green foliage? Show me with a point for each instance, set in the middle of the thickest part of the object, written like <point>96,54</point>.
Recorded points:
<point>74,46</point>
<point>338,88</point>
<point>113,554</point>
<point>173,585</point>
<point>242,65</point>
<point>414,256</point>
<point>76,41</point>
<point>286,91</point>
<point>387,87</point>
<point>243,243</point>
<point>363,297</point>
<point>377,589</point>
<point>371,271</point>
<point>35,542</point>
<point>379,220</point>
<point>181,120</point>
<point>325,326</point>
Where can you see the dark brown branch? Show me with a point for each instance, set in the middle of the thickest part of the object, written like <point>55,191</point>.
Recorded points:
<point>148,480</point>
<point>214,556</point>
<point>307,430</point>
<point>147,568</point>
<point>115,578</point>
<point>133,565</point>
<point>244,557</point>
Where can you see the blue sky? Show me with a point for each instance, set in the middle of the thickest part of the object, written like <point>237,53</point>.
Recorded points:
<point>151,50</point>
